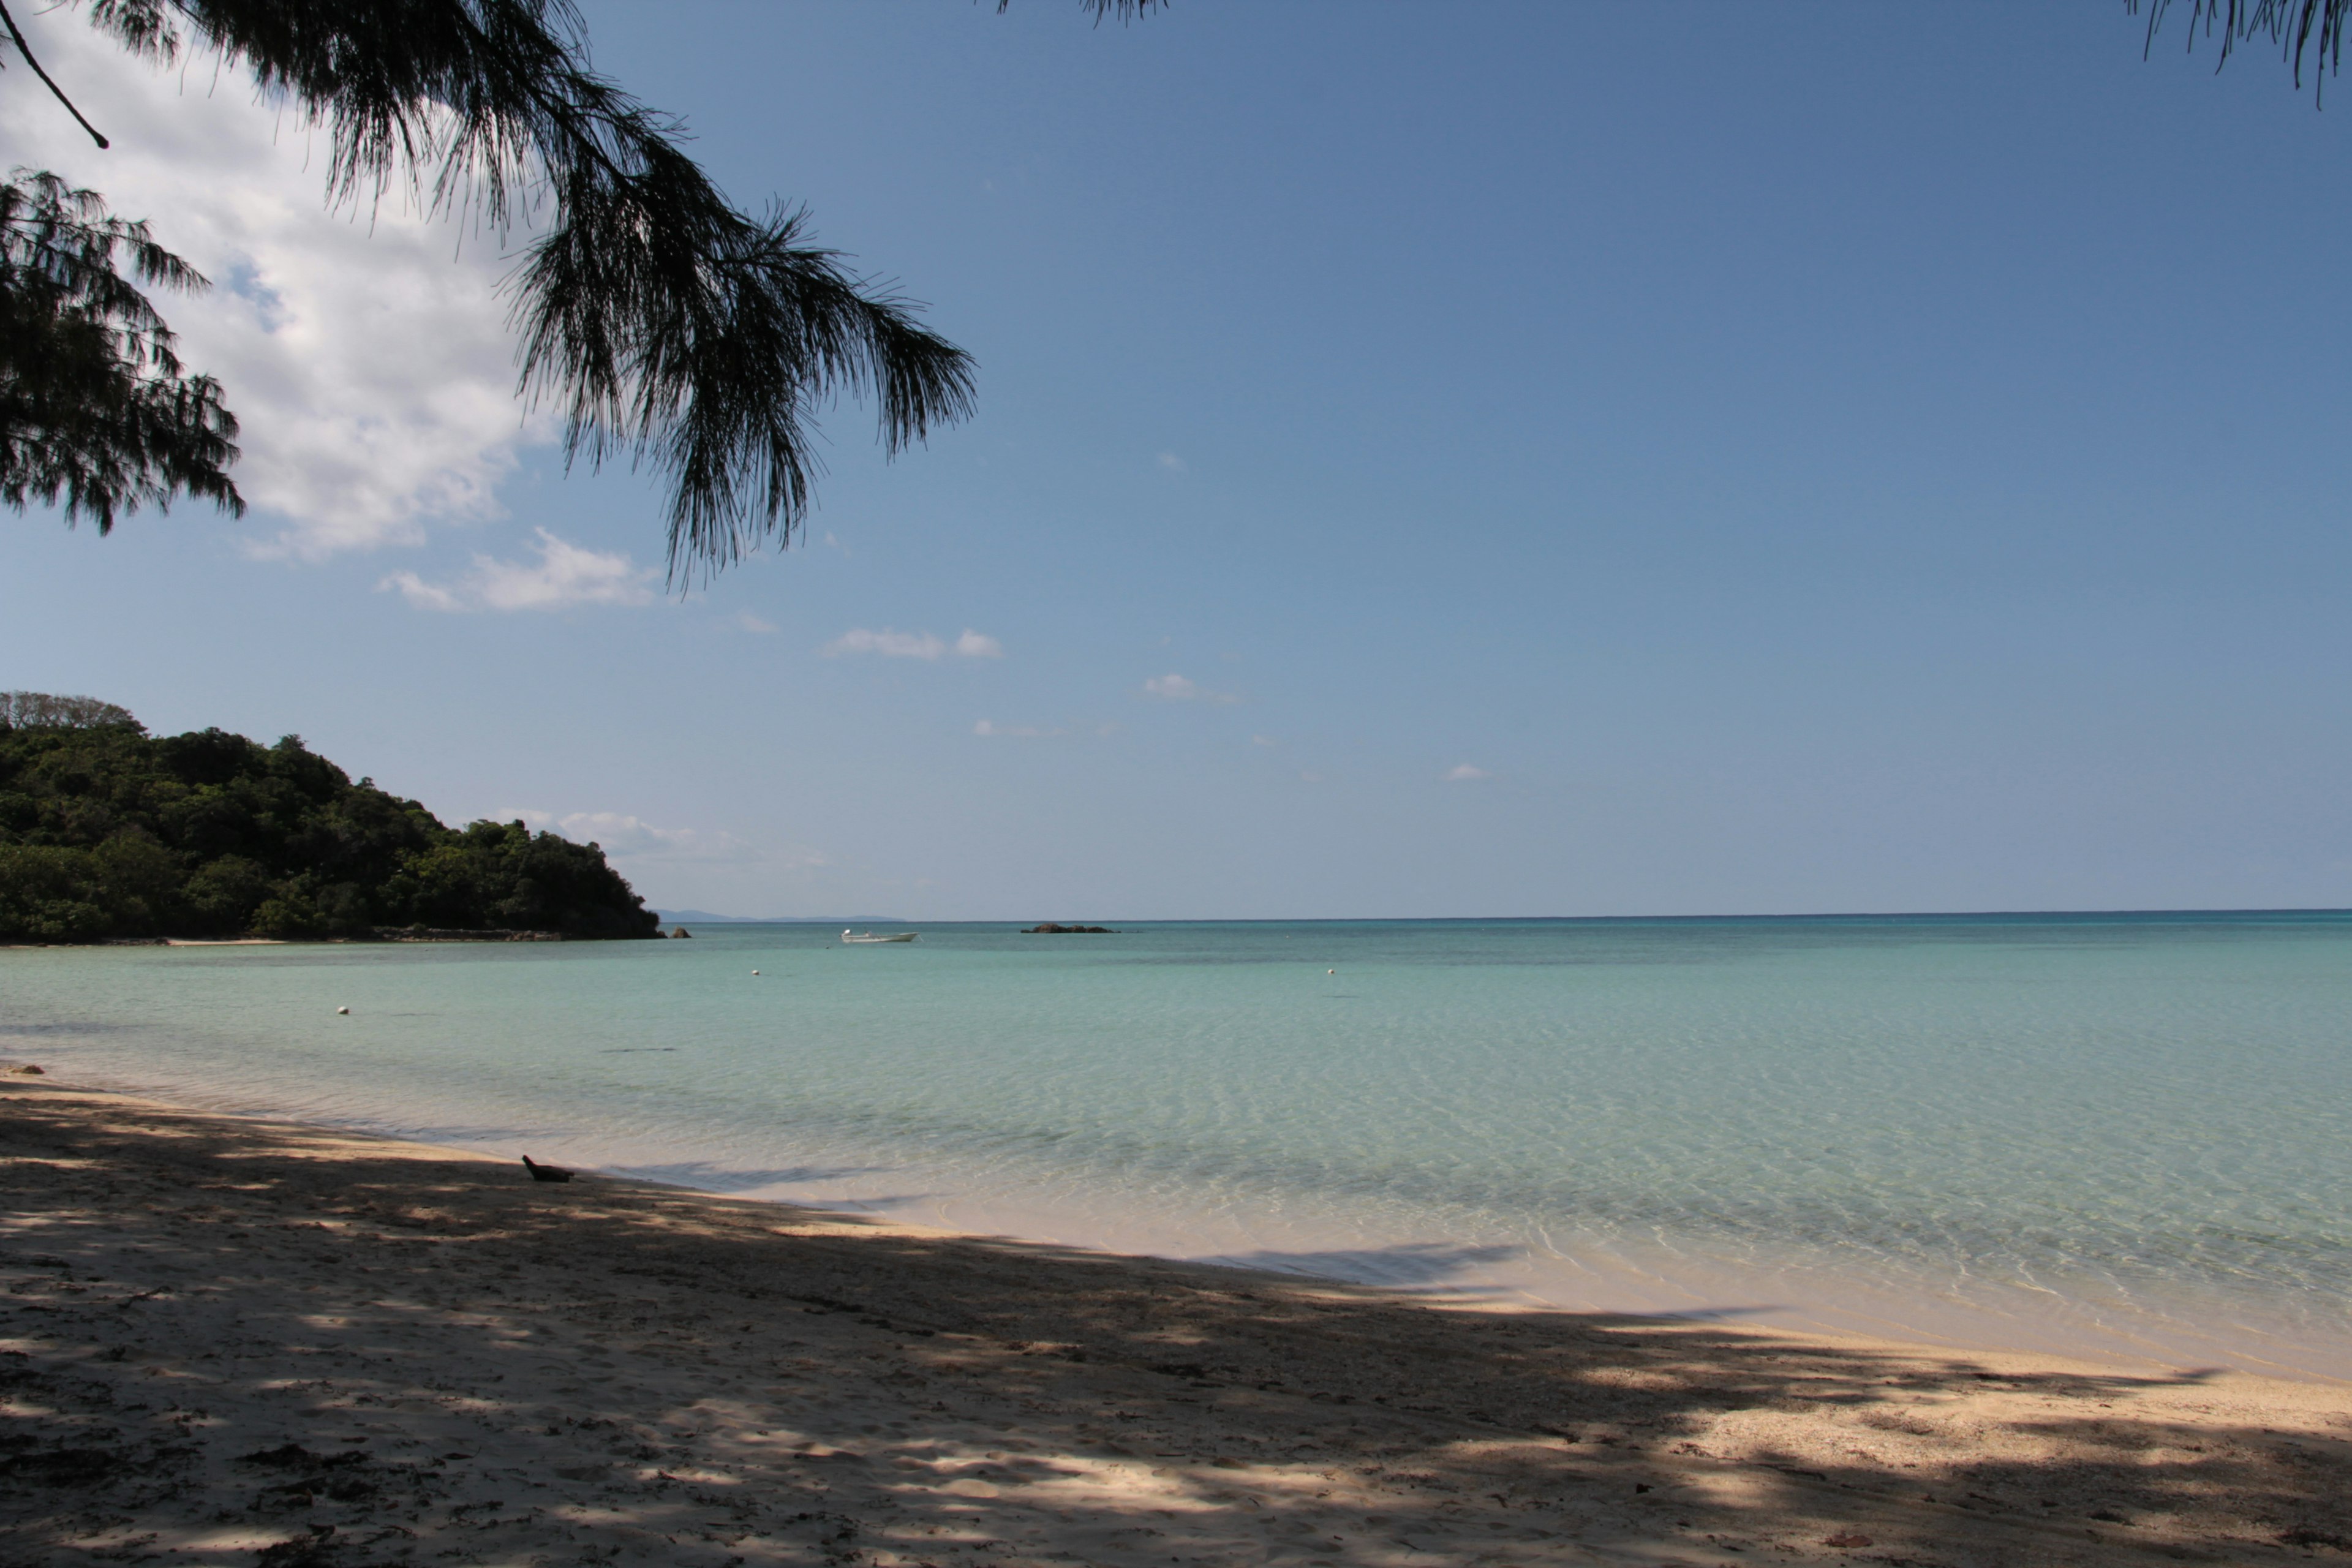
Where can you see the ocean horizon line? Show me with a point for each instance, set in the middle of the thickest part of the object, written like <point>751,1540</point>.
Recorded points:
<point>2056,914</point>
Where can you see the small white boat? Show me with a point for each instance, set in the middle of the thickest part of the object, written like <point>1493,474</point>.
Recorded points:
<point>848,936</point>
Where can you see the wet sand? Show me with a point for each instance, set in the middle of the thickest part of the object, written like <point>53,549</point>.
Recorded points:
<point>229,1340</point>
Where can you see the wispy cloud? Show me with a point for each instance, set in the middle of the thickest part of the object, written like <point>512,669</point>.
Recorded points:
<point>1264,740</point>
<point>626,836</point>
<point>991,728</point>
<point>563,576</point>
<point>751,623</point>
<point>1172,463</point>
<point>892,643</point>
<point>1464,773</point>
<point>617,832</point>
<point>1172,687</point>
<point>373,371</point>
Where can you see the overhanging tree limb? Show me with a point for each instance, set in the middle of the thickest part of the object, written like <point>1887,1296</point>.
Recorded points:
<point>16,35</point>
<point>2298,26</point>
<point>667,325</point>
<point>97,415</point>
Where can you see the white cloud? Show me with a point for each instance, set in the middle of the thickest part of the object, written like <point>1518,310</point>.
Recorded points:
<point>885,642</point>
<point>913,645</point>
<point>751,623</point>
<point>619,833</point>
<point>366,354</point>
<point>1172,463</point>
<point>423,594</point>
<point>990,727</point>
<point>1264,740</point>
<point>1172,687</point>
<point>565,575</point>
<point>625,837</point>
<point>1464,773</point>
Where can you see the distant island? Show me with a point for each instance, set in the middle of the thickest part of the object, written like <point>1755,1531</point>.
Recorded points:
<point>108,833</point>
<point>1052,929</point>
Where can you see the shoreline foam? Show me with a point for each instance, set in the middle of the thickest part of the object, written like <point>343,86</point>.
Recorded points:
<point>228,1335</point>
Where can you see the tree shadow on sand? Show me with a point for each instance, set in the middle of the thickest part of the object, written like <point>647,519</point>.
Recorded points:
<point>260,1345</point>
<point>707,1177</point>
<point>1417,1265</point>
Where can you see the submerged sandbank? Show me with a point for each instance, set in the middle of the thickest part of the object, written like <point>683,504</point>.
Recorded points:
<point>228,1336</point>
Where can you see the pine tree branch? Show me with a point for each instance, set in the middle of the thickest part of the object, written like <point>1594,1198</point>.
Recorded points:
<point>2316,27</point>
<point>26,49</point>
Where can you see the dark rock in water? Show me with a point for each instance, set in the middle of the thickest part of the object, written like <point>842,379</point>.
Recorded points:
<point>28,1070</point>
<point>1051,929</point>
<point>681,933</point>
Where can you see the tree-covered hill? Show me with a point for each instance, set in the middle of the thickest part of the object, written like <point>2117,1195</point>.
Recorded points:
<point>105,831</point>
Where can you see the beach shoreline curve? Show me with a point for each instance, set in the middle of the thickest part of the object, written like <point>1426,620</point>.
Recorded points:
<point>442,1352</point>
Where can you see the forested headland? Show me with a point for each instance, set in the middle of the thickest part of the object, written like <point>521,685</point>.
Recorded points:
<point>107,832</point>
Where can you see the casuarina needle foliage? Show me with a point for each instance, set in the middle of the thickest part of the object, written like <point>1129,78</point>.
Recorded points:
<point>98,416</point>
<point>667,325</point>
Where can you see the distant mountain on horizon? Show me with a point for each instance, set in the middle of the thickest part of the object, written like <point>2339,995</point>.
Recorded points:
<point>707,917</point>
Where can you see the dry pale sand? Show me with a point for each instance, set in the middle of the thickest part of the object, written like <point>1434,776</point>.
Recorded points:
<point>225,1341</point>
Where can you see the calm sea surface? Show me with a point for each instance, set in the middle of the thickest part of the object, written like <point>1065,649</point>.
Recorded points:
<point>2122,1136</point>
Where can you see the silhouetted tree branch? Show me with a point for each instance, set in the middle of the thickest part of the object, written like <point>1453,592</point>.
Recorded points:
<point>665,322</point>
<point>2298,26</point>
<point>97,415</point>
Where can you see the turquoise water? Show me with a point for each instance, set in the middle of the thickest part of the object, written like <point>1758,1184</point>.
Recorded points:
<point>2123,1136</point>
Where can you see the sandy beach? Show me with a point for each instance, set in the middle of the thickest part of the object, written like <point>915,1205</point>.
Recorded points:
<point>229,1341</point>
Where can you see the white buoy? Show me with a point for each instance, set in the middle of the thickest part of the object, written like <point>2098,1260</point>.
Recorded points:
<point>1330,972</point>
<point>343,1009</point>
<point>755,972</point>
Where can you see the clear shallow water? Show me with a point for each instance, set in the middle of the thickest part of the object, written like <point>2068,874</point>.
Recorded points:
<point>2123,1136</point>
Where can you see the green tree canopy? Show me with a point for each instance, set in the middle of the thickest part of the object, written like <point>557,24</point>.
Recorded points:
<point>107,832</point>
<point>41,711</point>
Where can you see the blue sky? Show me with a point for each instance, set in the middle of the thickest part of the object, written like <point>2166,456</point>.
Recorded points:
<point>1573,459</point>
